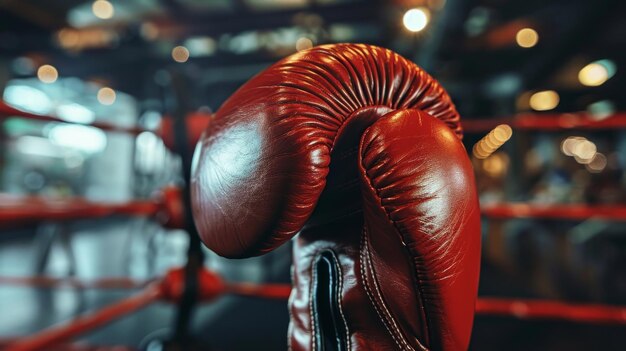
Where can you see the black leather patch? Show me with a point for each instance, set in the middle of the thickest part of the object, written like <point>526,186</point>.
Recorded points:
<point>330,326</point>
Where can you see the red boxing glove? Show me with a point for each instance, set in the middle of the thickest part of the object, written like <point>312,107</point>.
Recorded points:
<point>358,150</point>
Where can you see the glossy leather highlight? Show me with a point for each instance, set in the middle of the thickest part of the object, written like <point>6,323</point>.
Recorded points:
<point>358,150</point>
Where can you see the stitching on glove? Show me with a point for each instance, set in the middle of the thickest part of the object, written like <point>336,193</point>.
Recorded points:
<point>379,306</point>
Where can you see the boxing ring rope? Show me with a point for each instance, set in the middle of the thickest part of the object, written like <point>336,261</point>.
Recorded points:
<point>547,122</point>
<point>556,211</point>
<point>46,282</point>
<point>82,324</point>
<point>196,123</point>
<point>527,121</point>
<point>170,289</point>
<point>14,209</point>
<point>78,346</point>
<point>7,111</point>
<point>28,209</point>
<point>546,309</point>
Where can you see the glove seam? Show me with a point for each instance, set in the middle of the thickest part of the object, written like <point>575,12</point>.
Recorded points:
<point>378,198</point>
<point>379,306</point>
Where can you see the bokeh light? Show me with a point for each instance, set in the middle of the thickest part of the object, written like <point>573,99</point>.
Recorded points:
<point>527,37</point>
<point>103,9</point>
<point>584,151</point>
<point>106,96</point>
<point>492,141</point>
<point>180,54</point>
<point>47,74</point>
<point>596,73</point>
<point>597,164</point>
<point>544,100</point>
<point>496,165</point>
<point>303,43</point>
<point>68,38</point>
<point>416,19</point>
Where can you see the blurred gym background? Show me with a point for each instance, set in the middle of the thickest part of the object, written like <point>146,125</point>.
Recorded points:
<point>95,95</point>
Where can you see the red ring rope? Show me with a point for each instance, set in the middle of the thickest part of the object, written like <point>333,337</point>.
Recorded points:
<point>542,309</point>
<point>27,209</point>
<point>58,334</point>
<point>196,123</point>
<point>14,209</point>
<point>78,346</point>
<point>572,212</point>
<point>9,111</point>
<point>547,122</point>
<point>75,283</point>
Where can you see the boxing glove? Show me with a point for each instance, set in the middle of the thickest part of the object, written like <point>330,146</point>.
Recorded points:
<point>358,151</point>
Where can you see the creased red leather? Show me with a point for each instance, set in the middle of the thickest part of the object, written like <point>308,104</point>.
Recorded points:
<point>359,150</point>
